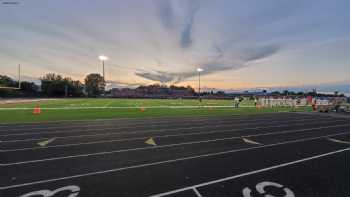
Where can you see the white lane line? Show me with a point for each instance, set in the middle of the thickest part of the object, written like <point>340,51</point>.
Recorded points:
<point>99,127</point>
<point>177,135</point>
<point>155,147</point>
<point>67,129</point>
<point>218,125</point>
<point>167,161</point>
<point>102,122</point>
<point>150,127</point>
<point>186,117</point>
<point>246,140</point>
<point>197,192</point>
<point>338,141</point>
<point>193,187</point>
<point>144,137</point>
<point>92,123</point>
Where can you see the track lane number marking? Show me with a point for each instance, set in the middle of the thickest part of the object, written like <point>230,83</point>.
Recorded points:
<point>260,188</point>
<point>48,193</point>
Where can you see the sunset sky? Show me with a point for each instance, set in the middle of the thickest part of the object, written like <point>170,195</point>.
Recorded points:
<point>239,44</point>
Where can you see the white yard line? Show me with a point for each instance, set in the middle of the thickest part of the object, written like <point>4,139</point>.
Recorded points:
<point>187,158</point>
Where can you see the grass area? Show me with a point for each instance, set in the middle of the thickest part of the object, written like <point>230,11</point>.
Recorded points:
<point>88,102</point>
<point>17,116</point>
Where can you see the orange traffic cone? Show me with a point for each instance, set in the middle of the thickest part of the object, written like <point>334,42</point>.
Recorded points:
<point>37,110</point>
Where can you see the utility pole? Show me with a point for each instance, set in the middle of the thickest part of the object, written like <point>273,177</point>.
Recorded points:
<point>19,76</point>
<point>199,70</point>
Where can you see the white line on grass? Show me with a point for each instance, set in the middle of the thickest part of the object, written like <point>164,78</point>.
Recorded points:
<point>159,146</point>
<point>175,160</point>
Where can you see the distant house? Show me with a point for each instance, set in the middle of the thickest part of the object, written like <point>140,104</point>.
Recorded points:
<point>153,91</point>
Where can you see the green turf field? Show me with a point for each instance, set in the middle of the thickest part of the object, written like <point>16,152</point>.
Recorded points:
<point>88,102</point>
<point>61,109</point>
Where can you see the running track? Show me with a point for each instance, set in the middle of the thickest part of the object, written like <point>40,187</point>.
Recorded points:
<point>282,154</point>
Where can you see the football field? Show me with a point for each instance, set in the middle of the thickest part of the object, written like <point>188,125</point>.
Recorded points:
<point>82,109</point>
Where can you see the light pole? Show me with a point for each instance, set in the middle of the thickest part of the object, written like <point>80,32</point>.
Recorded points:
<point>199,70</point>
<point>103,59</point>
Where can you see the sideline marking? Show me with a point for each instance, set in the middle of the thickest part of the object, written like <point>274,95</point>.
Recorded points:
<point>181,159</point>
<point>151,141</point>
<point>338,141</point>
<point>253,172</point>
<point>246,140</point>
<point>46,142</point>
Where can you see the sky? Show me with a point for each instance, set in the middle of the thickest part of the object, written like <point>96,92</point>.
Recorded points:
<point>238,44</point>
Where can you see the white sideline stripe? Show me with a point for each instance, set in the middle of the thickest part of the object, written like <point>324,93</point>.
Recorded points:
<point>168,161</point>
<point>194,187</point>
<point>148,129</point>
<point>172,135</point>
<point>131,107</point>
<point>157,147</point>
<point>224,121</point>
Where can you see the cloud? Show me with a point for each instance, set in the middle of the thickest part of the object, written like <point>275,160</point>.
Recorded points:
<point>261,52</point>
<point>186,34</point>
<point>217,64</point>
<point>169,18</point>
<point>165,13</point>
<point>121,84</point>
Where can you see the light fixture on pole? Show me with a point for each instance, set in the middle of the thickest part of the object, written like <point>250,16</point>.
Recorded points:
<point>199,70</point>
<point>103,59</point>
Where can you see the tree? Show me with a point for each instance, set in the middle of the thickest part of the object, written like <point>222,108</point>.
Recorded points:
<point>29,88</point>
<point>55,85</point>
<point>94,84</point>
<point>6,81</point>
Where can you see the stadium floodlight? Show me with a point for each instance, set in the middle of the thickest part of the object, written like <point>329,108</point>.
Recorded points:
<point>199,70</point>
<point>103,58</point>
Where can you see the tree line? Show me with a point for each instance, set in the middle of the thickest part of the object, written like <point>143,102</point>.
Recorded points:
<point>53,85</point>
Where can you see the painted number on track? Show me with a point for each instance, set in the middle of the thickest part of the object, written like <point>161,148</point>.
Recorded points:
<point>260,188</point>
<point>74,192</point>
